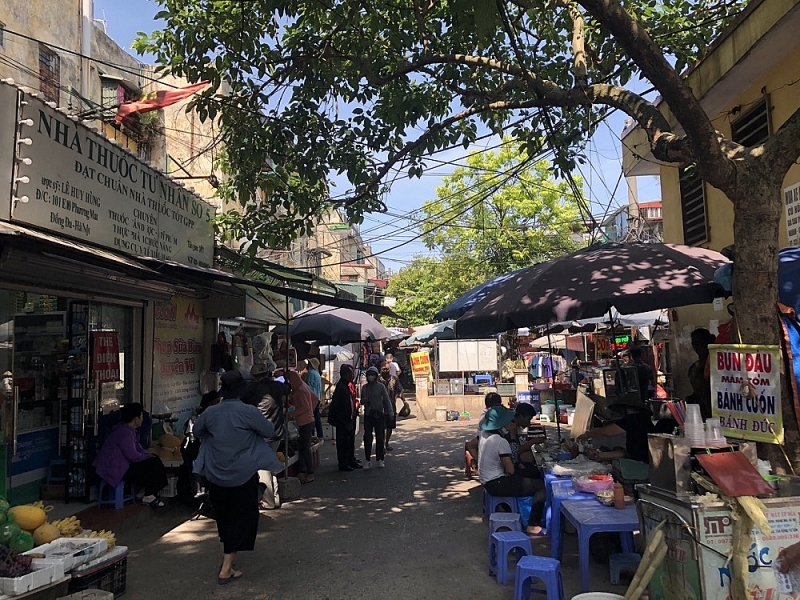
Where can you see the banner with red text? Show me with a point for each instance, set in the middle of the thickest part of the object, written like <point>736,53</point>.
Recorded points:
<point>746,391</point>
<point>177,357</point>
<point>105,357</point>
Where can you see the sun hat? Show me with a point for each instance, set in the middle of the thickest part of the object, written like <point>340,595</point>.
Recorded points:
<point>497,417</point>
<point>260,370</point>
<point>314,362</point>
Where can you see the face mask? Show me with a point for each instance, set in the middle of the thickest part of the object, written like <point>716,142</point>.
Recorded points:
<point>372,377</point>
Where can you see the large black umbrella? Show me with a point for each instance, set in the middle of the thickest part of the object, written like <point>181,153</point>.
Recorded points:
<point>329,326</point>
<point>469,299</point>
<point>632,278</point>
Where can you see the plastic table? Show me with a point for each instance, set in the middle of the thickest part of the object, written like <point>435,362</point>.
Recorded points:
<point>592,517</point>
<point>554,524</point>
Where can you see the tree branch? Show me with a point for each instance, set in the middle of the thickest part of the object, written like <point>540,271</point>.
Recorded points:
<point>783,148</point>
<point>649,57</point>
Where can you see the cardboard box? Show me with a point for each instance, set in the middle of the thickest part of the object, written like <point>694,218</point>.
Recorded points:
<point>54,491</point>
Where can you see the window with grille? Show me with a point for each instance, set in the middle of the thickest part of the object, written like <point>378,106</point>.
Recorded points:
<point>693,207</point>
<point>360,257</point>
<point>752,127</point>
<point>49,74</point>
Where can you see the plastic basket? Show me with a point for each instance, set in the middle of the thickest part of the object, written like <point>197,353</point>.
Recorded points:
<point>111,578</point>
<point>172,488</point>
<point>562,488</point>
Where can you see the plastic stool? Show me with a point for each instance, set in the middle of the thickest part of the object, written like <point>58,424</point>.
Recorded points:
<point>541,567</point>
<point>490,503</point>
<point>501,543</point>
<point>118,496</point>
<point>57,471</point>
<point>622,561</point>
<point>503,521</point>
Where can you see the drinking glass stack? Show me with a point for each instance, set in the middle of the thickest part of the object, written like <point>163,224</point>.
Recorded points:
<point>693,427</point>
<point>714,437</point>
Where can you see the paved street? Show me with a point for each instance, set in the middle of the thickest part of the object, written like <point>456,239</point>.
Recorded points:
<point>408,531</point>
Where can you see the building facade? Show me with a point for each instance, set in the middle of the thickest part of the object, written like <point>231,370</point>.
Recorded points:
<point>745,83</point>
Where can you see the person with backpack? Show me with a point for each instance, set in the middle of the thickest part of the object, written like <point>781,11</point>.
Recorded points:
<point>377,407</point>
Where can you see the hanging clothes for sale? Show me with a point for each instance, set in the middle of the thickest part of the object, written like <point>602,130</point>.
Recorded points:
<point>543,365</point>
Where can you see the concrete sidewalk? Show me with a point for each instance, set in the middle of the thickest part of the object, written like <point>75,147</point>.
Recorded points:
<point>412,530</point>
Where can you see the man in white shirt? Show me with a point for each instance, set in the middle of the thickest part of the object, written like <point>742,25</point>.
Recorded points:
<point>394,368</point>
<point>496,469</point>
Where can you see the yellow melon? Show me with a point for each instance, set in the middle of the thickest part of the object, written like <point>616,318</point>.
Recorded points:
<point>46,533</point>
<point>28,517</point>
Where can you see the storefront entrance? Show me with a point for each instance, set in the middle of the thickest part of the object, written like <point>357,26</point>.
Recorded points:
<point>62,359</point>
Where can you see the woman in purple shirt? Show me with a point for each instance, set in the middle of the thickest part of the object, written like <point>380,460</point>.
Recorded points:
<point>122,457</point>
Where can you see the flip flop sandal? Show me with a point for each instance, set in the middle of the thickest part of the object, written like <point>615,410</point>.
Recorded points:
<point>542,533</point>
<point>307,479</point>
<point>233,577</point>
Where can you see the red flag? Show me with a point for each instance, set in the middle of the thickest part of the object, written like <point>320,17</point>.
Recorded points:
<point>156,100</point>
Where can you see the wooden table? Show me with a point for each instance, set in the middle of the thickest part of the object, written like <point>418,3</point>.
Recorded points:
<point>592,517</point>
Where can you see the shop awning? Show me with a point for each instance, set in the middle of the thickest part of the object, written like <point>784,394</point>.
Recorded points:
<point>196,274</point>
<point>275,274</point>
<point>47,260</point>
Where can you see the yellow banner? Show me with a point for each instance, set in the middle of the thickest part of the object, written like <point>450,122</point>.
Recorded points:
<point>420,364</point>
<point>746,391</point>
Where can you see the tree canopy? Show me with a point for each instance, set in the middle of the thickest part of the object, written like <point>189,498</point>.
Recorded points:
<point>362,91</point>
<point>504,211</point>
<point>427,285</point>
<point>499,213</point>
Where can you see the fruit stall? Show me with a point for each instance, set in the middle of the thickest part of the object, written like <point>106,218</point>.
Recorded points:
<point>37,554</point>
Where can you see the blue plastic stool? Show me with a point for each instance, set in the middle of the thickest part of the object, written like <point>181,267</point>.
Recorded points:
<point>501,544</point>
<point>490,503</point>
<point>541,567</point>
<point>622,561</point>
<point>503,521</point>
<point>57,471</point>
<point>118,496</point>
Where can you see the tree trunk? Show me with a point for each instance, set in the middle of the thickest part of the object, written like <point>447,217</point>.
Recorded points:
<point>758,208</point>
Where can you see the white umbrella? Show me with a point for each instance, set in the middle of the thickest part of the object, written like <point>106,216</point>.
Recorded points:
<point>339,353</point>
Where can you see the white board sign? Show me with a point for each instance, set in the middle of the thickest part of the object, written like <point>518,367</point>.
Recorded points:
<point>83,186</point>
<point>467,355</point>
<point>791,202</point>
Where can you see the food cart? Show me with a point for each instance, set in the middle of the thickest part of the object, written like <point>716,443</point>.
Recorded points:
<point>699,539</point>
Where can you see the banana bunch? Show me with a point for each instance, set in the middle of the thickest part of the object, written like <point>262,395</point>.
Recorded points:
<point>39,504</point>
<point>106,535</point>
<point>69,527</point>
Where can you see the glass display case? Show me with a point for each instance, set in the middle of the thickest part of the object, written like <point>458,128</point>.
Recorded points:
<point>40,354</point>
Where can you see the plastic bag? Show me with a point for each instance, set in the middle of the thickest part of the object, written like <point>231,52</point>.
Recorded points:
<point>405,411</point>
<point>294,431</point>
<point>524,505</point>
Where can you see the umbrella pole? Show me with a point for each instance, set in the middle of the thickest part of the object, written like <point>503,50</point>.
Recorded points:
<point>286,407</point>
<point>614,354</point>
<point>553,385</point>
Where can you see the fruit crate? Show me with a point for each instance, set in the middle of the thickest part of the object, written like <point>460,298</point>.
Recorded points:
<point>111,577</point>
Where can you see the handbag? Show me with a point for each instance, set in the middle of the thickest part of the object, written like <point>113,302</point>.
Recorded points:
<point>405,411</point>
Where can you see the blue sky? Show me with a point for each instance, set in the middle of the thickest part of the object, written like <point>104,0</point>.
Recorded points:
<point>126,18</point>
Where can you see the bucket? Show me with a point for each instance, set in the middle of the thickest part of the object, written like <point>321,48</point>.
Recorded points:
<point>441,413</point>
<point>598,596</point>
<point>549,410</point>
